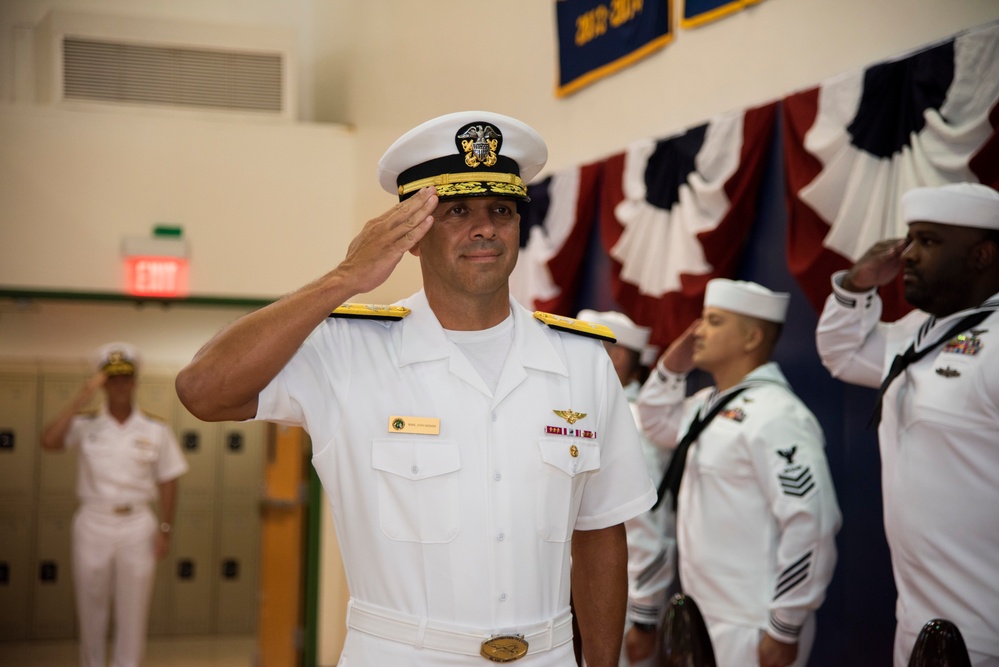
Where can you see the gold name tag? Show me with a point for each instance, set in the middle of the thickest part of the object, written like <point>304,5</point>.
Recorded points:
<point>422,425</point>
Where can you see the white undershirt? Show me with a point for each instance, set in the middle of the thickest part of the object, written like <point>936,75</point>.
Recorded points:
<point>486,350</point>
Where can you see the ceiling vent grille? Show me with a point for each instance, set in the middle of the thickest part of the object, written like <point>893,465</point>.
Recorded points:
<point>188,77</point>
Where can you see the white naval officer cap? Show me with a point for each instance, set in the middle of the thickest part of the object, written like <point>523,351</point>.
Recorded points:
<point>464,154</point>
<point>746,298</point>
<point>960,204</point>
<point>116,359</point>
<point>628,334</point>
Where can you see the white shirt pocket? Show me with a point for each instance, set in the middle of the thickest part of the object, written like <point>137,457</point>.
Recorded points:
<point>417,488</point>
<point>560,487</point>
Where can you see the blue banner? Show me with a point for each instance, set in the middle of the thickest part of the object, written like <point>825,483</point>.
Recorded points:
<point>699,12</point>
<point>599,37</point>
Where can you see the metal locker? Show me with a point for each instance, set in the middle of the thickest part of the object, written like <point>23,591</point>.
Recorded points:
<point>16,523</point>
<point>243,458</point>
<point>19,446</point>
<point>53,610</point>
<point>162,600</point>
<point>192,564</point>
<point>199,441</point>
<point>238,565</point>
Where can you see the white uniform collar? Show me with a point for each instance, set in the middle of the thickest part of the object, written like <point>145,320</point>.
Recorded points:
<point>422,338</point>
<point>104,413</point>
<point>768,373</point>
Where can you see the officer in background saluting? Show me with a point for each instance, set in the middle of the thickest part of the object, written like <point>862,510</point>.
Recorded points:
<point>756,509</point>
<point>127,460</point>
<point>467,448</point>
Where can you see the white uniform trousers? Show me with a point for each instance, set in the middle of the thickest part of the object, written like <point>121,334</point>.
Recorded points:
<point>113,557</point>
<point>738,645</point>
<point>904,642</point>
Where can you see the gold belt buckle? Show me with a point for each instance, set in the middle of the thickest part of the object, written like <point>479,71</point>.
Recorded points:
<point>122,509</point>
<point>504,648</point>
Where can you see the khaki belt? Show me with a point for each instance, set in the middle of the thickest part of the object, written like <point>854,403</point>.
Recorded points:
<point>423,633</point>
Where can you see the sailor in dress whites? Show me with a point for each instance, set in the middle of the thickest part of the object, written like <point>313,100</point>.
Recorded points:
<point>939,418</point>
<point>127,460</point>
<point>756,509</point>
<point>652,535</point>
<point>468,448</point>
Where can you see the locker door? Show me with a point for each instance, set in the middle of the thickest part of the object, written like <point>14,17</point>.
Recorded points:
<point>16,523</point>
<point>242,458</point>
<point>53,611</point>
<point>194,576</point>
<point>238,565</point>
<point>200,443</point>
<point>19,452</point>
<point>19,447</point>
<point>155,395</point>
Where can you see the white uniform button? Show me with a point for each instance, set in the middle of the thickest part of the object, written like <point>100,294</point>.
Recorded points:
<point>502,597</point>
<point>500,537</point>
<point>415,469</point>
<point>492,416</point>
<point>497,477</point>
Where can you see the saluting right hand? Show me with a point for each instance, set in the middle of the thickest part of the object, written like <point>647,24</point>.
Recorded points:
<point>878,266</point>
<point>679,356</point>
<point>90,387</point>
<point>378,248</point>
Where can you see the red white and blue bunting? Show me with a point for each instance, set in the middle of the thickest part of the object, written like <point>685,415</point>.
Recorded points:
<point>857,142</point>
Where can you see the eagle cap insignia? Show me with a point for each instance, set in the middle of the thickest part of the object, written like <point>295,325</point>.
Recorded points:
<point>569,415</point>
<point>480,143</point>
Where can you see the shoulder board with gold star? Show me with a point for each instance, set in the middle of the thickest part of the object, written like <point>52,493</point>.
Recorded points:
<point>580,327</point>
<point>370,311</point>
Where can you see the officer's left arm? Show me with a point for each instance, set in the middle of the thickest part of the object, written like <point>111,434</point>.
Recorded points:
<point>600,591</point>
<point>789,458</point>
<point>168,504</point>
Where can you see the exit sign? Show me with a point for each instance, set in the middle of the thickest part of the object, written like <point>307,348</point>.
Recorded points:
<point>156,276</point>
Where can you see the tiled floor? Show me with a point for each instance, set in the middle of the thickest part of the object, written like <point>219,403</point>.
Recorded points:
<point>229,651</point>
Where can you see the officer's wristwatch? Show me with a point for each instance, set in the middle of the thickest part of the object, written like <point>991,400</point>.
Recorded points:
<point>165,527</point>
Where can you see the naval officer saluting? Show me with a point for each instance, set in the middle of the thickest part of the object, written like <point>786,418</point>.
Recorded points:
<point>468,449</point>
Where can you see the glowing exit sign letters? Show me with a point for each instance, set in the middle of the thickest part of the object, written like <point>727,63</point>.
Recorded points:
<point>156,276</point>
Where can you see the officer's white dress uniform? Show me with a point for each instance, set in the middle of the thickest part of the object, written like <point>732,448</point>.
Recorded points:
<point>757,512</point>
<point>114,529</point>
<point>454,505</point>
<point>939,440</point>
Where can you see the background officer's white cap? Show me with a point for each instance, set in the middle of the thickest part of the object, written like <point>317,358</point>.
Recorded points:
<point>465,154</point>
<point>628,334</point>
<point>960,204</point>
<point>116,359</point>
<point>746,298</point>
